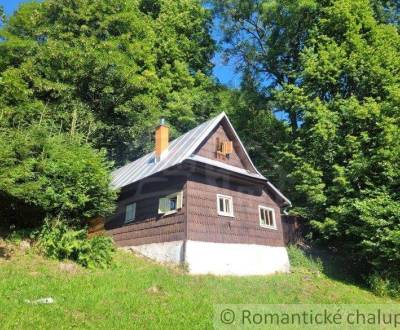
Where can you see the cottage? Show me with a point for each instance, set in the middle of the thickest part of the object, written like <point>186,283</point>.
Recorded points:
<point>199,200</point>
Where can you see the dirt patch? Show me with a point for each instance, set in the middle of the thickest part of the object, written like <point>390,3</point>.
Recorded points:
<point>68,267</point>
<point>5,251</point>
<point>155,290</point>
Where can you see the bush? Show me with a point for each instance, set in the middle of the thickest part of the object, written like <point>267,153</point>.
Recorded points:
<point>54,175</point>
<point>17,236</point>
<point>368,229</point>
<point>384,286</point>
<point>57,240</point>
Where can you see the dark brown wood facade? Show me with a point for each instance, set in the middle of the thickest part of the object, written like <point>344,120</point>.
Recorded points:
<point>198,219</point>
<point>149,226</point>
<point>204,223</point>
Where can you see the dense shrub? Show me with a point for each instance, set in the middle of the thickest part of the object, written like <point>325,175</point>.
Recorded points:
<point>372,231</point>
<point>52,174</point>
<point>59,241</point>
<point>384,286</point>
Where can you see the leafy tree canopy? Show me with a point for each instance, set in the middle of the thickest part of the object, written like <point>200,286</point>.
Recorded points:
<point>333,68</point>
<point>107,69</point>
<point>46,174</point>
<point>346,157</point>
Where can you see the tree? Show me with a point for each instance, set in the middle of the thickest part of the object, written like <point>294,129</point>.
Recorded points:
<point>55,175</point>
<point>345,160</point>
<point>266,38</point>
<point>262,133</point>
<point>332,68</point>
<point>107,69</point>
<point>387,11</point>
<point>2,14</point>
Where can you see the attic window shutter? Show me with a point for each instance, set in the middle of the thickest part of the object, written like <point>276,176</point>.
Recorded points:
<point>179,200</point>
<point>228,147</point>
<point>224,148</point>
<point>163,205</point>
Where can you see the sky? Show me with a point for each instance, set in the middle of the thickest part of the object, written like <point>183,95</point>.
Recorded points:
<point>225,73</point>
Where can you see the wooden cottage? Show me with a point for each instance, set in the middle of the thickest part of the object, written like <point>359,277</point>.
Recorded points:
<point>199,200</point>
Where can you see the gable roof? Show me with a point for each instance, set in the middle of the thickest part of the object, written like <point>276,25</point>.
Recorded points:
<point>182,149</point>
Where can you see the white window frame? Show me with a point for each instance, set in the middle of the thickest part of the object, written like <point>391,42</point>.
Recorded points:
<point>165,209</point>
<point>267,208</point>
<point>230,201</point>
<point>126,220</point>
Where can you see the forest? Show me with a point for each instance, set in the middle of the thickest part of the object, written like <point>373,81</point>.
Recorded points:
<point>83,83</point>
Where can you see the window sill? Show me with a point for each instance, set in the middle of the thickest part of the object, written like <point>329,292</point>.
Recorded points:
<point>226,215</point>
<point>169,212</point>
<point>268,227</point>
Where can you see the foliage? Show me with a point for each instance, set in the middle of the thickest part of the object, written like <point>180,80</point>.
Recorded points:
<point>2,15</point>
<point>332,68</point>
<point>57,240</point>
<point>261,132</point>
<point>266,38</point>
<point>17,236</point>
<point>384,287</point>
<point>54,174</point>
<point>387,11</point>
<point>107,69</point>
<point>346,157</point>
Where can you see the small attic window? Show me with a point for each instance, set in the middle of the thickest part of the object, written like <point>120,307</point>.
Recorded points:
<point>224,148</point>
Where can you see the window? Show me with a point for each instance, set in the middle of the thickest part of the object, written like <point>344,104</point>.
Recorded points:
<point>130,212</point>
<point>267,217</point>
<point>225,205</point>
<point>171,203</point>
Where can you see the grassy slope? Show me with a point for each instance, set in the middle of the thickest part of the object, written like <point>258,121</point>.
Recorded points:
<point>137,293</point>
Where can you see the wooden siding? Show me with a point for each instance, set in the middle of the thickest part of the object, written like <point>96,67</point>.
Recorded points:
<point>149,226</point>
<point>294,229</point>
<point>209,149</point>
<point>204,224</point>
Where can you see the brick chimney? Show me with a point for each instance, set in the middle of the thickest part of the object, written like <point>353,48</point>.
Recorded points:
<point>162,139</point>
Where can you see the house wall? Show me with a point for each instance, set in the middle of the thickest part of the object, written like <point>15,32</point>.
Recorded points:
<point>196,234</point>
<point>204,223</point>
<point>149,226</point>
<point>209,147</point>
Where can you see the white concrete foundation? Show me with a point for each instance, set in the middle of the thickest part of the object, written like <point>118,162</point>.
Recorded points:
<point>219,258</point>
<point>235,259</point>
<point>167,252</point>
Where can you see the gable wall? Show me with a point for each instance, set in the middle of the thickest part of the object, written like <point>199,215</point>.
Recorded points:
<point>204,223</point>
<point>149,226</point>
<point>209,147</point>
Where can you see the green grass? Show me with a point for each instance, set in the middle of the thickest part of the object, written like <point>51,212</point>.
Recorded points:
<point>139,294</point>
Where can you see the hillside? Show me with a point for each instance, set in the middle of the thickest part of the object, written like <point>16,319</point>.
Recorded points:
<point>138,293</point>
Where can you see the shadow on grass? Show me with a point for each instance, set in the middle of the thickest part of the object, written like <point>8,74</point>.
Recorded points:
<point>335,266</point>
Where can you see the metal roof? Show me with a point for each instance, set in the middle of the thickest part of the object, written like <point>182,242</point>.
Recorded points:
<point>179,150</point>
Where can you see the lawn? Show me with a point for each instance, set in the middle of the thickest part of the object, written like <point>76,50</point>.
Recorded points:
<point>139,294</point>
